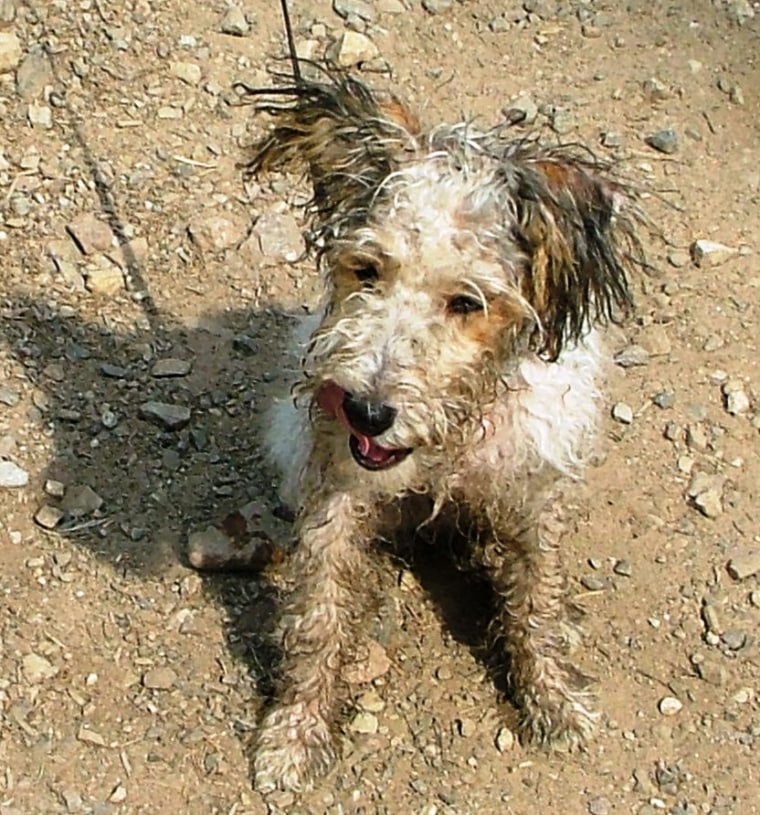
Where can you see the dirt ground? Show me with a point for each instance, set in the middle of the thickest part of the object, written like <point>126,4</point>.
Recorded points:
<point>131,684</point>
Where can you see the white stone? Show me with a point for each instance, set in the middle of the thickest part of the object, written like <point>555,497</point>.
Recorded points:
<point>622,413</point>
<point>505,740</point>
<point>737,402</point>
<point>11,475</point>
<point>669,706</point>
<point>711,253</point>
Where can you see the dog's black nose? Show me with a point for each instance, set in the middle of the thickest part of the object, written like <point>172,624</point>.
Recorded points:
<point>367,417</point>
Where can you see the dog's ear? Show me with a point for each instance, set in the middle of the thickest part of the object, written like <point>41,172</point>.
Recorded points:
<point>347,141</point>
<point>576,229</point>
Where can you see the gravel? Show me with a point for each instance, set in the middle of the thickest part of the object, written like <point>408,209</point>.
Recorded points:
<point>146,288</point>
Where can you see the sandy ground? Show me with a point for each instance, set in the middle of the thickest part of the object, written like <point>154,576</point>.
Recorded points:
<point>131,684</point>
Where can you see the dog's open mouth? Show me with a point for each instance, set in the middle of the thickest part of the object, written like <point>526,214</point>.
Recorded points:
<point>365,450</point>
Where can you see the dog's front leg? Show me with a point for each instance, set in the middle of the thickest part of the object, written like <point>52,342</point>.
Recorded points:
<point>295,743</point>
<point>530,619</point>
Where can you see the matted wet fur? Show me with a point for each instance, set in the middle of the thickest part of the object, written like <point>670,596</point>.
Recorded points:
<point>456,355</point>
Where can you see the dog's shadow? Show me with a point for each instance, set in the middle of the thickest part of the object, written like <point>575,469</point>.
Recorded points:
<point>439,556</point>
<point>158,484</point>
<point>89,391</point>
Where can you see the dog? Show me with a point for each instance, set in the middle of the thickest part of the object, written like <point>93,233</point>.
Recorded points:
<point>455,360</point>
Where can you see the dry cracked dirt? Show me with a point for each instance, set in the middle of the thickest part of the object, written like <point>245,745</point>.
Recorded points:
<point>144,288</point>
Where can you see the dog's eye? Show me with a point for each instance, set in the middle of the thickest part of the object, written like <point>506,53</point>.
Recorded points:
<point>366,274</point>
<point>464,304</point>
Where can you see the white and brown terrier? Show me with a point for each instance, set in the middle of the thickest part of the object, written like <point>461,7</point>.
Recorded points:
<point>455,356</point>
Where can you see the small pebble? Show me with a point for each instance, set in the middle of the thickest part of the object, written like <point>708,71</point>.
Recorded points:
<point>733,640</point>
<point>48,517</point>
<point>90,233</point>
<point>707,253</point>
<point>672,431</point>
<point>119,794</point>
<point>170,417</point>
<point>669,706</point>
<point>632,356</point>
<point>436,6</point>
<point>745,565</point>
<point>685,464</point>
<point>171,367</point>
<point>352,49</point>
<point>664,141</point>
<point>188,72</point>
<point>623,568</point>
<point>162,678</point>
<point>38,668</point>
<point>234,22</point>
<point>107,281</point>
<point>622,413</point>
<point>737,402</point>
<point>114,371</point>
<point>466,727</point>
<point>678,258</point>
<point>697,438</point>
<point>711,619</point>
<point>664,399</point>
<point>371,701</point>
<point>505,739</point>
<point>55,489</point>
<point>12,476</point>
<point>599,806</point>
<point>713,343</point>
<point>365,723</point>
<point>9,396</point>
<point>709,503</point>
<point>710,671</point>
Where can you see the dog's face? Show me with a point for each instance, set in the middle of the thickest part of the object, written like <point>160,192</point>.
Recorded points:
<point>450,255</point>
<point>423,318</point>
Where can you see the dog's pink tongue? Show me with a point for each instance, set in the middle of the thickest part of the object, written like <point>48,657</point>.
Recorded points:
<point>330,398</point>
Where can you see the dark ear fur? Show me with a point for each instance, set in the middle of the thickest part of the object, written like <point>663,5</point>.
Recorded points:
<point>344,138</point>
<point>577,229</point>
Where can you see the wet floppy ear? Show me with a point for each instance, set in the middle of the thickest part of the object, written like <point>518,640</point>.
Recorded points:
<point>576,229</point>
<point>345,139</point>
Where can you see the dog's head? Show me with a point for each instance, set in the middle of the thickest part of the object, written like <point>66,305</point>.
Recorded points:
<point>450,255</point>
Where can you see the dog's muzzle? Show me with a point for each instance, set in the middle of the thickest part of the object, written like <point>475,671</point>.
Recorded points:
<point>364,419</point>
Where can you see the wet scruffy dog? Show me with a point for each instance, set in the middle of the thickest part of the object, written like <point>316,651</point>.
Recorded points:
<point>455,357</point>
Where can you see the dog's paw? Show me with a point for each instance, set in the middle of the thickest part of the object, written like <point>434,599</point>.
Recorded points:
<point>294,748</point>
<point>563,721</point>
